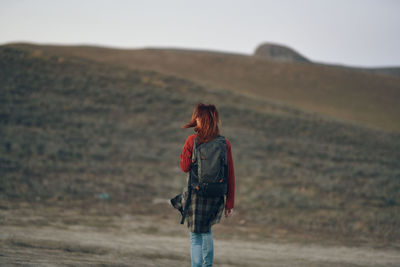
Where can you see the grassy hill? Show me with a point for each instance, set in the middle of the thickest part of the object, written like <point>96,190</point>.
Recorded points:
<point>74,129</point>
<point>344,93</point>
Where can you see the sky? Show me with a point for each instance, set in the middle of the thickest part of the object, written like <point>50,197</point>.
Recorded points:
<point>364,33</point>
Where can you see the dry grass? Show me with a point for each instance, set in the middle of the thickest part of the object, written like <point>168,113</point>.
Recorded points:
<point>360,97</point>
<point>73,131</point>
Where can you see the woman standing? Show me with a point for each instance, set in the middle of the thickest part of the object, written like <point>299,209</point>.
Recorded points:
<point>205,211</point>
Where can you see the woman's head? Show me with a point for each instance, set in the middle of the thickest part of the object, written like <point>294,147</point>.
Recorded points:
<point>205,120</point>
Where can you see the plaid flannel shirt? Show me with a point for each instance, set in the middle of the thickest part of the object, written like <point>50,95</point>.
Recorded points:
<point>203,212</point>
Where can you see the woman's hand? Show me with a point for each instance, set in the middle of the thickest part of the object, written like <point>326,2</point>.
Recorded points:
<point>228,212</point>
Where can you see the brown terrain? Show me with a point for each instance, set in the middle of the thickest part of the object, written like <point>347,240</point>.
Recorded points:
<point>360,97</point>
<point>90,140</point>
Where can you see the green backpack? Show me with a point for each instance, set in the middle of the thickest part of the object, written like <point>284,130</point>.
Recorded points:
<point>208,170</point>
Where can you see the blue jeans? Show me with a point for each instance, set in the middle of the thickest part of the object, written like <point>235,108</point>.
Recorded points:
<point>201,249</point>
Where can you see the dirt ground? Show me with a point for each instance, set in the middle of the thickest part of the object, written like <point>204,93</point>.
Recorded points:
<point>68,238</point>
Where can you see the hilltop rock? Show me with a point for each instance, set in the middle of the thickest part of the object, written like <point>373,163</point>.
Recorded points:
<point>279,53</point>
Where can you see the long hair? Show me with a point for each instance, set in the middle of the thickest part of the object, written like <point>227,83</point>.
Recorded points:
<point>209,121</point>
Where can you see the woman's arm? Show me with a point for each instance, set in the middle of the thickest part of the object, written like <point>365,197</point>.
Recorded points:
<point>186,156</point>
<point>230,197</point>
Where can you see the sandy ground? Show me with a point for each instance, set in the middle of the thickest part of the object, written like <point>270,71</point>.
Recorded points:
<point>142,241</point>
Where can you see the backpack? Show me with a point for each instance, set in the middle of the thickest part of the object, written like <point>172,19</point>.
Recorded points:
<point>208,169</point>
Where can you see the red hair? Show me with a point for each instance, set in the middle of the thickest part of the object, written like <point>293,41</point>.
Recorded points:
<point>209,121</point>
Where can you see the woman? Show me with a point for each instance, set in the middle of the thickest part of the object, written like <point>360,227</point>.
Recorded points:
<point>205,120</point>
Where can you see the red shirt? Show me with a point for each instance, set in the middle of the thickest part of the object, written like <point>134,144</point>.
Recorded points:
<point>186,159</point>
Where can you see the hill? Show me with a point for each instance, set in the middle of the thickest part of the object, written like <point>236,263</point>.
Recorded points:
<point>277,52</point>
<point>347,94</point>
<point>75,130</point>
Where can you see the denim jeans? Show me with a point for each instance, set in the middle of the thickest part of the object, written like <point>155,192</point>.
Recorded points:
<point>201,249</point>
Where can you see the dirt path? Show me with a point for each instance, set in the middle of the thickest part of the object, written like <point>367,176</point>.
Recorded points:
<point>129,245</point>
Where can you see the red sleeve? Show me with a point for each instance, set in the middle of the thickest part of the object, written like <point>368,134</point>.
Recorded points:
<point>186,156</point>
<point>230,197</point>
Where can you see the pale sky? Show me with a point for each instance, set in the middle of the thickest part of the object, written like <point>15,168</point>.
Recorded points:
<point>349,32</point>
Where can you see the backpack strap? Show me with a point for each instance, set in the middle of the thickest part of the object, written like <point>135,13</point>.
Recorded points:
<point>226,153</point>
<point>194,149</point>
<point>225,157</point>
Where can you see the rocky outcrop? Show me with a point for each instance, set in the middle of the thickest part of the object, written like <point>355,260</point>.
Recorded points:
<point>279,53</point>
